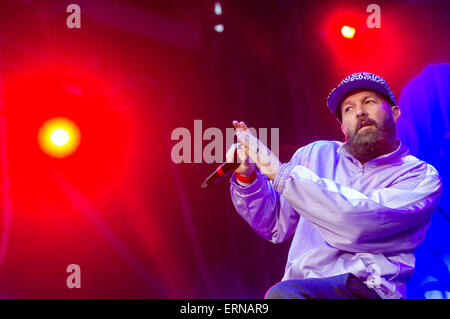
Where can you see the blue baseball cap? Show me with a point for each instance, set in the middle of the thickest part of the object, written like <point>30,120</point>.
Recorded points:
<point>356,82</point>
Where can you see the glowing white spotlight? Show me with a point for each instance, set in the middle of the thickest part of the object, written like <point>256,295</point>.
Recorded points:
<point>59,137</point>
<point>218,28</point>
<point>217,8</point>
<point>348,32</point>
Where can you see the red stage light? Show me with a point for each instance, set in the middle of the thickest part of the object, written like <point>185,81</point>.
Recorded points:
<point>59,137</point>
<point>348,32</point>
<point>380,50</point>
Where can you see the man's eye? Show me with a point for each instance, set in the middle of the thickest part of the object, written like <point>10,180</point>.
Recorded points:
<point>347,109</point>
<point>370,101</point>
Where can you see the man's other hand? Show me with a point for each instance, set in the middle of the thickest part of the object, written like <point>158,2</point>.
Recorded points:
<point>254,152</point>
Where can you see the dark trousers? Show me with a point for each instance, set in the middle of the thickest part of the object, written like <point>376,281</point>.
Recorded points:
<point>345,286</point>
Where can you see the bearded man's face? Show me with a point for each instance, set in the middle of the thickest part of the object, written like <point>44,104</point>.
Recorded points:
<point>369,125</point>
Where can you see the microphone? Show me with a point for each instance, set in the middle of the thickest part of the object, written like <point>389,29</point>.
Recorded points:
<point>221,172</point>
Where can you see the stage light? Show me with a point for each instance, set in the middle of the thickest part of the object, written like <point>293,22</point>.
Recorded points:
<point>219,28</point>
<point>348,32</point>
<point>217,8</point>
<point>59,137</point>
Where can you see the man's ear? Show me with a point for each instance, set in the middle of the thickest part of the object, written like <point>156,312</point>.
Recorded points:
<point>344,131</point>
<point>396,112</point>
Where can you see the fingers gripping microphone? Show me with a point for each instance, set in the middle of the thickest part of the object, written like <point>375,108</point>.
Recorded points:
<point>221,171</point>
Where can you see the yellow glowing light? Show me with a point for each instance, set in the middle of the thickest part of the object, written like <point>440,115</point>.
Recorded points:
<point>59,137</point>
<point>348,32</point>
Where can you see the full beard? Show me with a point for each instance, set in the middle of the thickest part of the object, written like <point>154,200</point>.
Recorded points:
<point>372,142</point>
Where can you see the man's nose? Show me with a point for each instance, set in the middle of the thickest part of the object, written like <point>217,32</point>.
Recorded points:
<point>361,112</point>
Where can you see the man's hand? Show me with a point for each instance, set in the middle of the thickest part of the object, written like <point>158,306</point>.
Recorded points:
<point>252,151</point>
<point>247,168</point>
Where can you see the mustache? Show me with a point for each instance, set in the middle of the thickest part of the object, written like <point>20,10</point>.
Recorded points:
<point>366,120</point>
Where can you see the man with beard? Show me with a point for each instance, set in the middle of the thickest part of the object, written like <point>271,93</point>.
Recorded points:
<point>357,210</point>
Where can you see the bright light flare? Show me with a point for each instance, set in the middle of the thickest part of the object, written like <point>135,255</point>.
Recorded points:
<point>217,8</point>
<point>59,137</point>
<point>219,28</point>
<point>348,32</point>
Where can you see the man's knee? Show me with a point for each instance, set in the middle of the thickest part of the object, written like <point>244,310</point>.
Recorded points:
<point>288,289</point>
<point>275,292</point>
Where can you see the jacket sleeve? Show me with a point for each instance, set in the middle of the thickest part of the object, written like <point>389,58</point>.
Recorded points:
<point>385,220</point>
<point>264,209</point>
